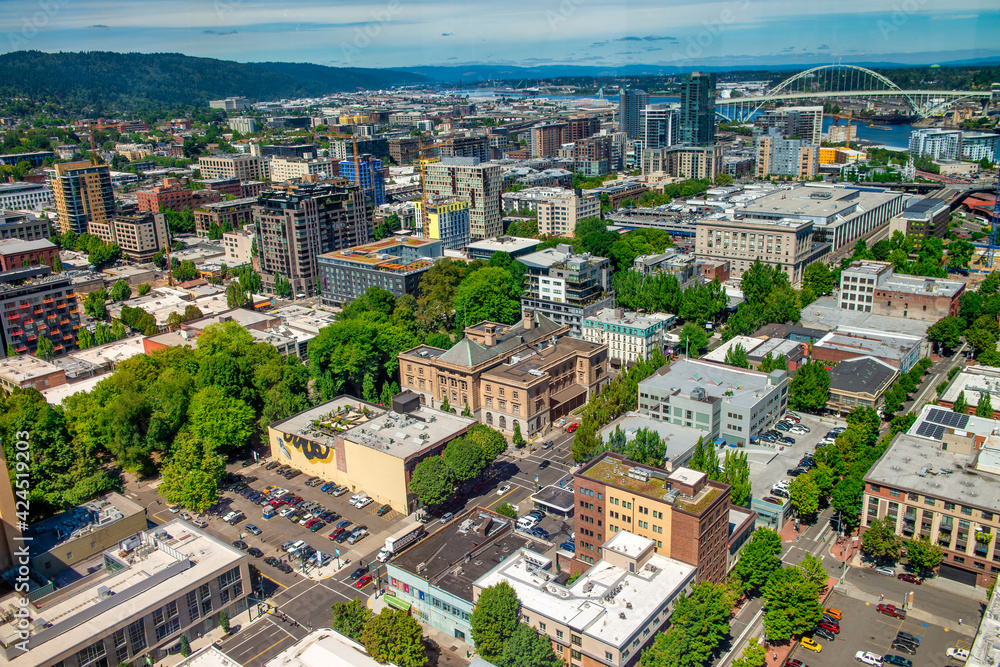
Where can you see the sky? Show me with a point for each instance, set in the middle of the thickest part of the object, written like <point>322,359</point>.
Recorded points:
<point>608,33</point>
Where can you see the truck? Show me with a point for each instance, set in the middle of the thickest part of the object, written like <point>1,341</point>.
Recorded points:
<point>394,544</point>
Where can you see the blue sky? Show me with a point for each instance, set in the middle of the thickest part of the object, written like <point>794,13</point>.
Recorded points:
<point>393,33</point>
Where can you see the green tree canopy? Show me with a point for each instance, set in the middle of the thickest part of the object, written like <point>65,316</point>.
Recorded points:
<point>880,541</point>
<point>432,480</point>
<point>192,474</point>
<point>465,458</point>
<point>350,618</point>
<point>488,294</point>
<point>394,636</point>
<point>793,606</point>
<point>528,648</point>
<point>736,355</point>
<point>760,557</point>
<point>693,339</point>
<point>922,555</point>
<point>810,387</point>
<point>804,495</point>
<point>494,620</point>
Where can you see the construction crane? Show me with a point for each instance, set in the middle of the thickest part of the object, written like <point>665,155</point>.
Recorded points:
<point>994,225</point>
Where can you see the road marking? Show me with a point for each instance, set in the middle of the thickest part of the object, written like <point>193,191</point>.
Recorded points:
<point>272,580</point>
<point>157,516</point>
<point>283,639</point>
<point>500,498</point>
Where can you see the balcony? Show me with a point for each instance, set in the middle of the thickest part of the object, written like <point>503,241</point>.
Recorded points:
<point>74,311</point>
<point>32,337</point>
<point>71,296</point>
<point>61,304</point>
<point>17,332</point>
<point>14,317</point>
<point>47,300</point>
<point>63,322</point>
<point>52,316</point>
<point>25,304</point>
<point>22,348</point>
<point>67,337</point>
<point>58,347</point>
<point>39,311</point>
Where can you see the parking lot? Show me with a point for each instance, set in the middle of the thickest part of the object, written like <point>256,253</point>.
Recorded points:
<point>863,628</point>
<point>765,475</point>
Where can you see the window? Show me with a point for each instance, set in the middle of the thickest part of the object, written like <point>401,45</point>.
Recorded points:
<point>559,634</point>
<point>576,640</point>
<point>967,511</point>
<point>987,516</point>
<point>541,626</point>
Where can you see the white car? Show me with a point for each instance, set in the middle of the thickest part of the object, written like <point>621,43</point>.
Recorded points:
<point>958,654</point>
<point>868,658</point>
<point>305,519</point>
<point>886,570</point>
<point>364,502</point>
<point>783,484</point>
<point>174,509</point>
<point>354,498</point>
<point>286,511</point>
<point>503,489</point>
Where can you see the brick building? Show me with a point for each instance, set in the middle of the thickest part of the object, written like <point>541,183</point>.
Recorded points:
<point>683,512</point>
<point>170,194</point>
<point>873,287</point>
<point>226,186</point>
<point>15,254</point>
<point>529,374</point>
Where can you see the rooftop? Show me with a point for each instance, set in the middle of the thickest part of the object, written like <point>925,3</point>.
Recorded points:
<point>468,353</point>
<point>718,355</point>
<point>16,246</point>
<point>974,380</point>
<point>529,365</point>
<point>629,318</point>
<point>79,521</point>
<point>865,375</point>
<point>868,342</point>
<point>820,203</point>
<point>680,440</point>
<point>25,368</point>
<point>157,566</point>
<point>404,435</point>
<point>485,536</point>
<point>777,347</point>
<point>560,255</point>
<point>735,385</point>
<point>322,648</point>
<point>650,482</point>
<point>607,603</point>
<point>504,244</point>
<point>825,313</point>
<point>242,316</point>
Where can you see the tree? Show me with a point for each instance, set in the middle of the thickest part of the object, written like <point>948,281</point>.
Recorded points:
<point>754,655</point>
<point>491,441</point>
<point>760,558</point>
<point>879,542</point>
<point>465,458</point>
<point>736,355</point>
<point>737,476</point>
<point>192,474</point>
<point>517,438</point>
<point>648,448</point>
<point>45,350</point>
<point>120,291</point>
<point>236,296</point>
<point>222,422</point>
<point>961,406</point>
<point>947,332</point>
<point>185,646</point>
<point>394,636</point>
<point>810,387</point>
<point>445,405</point>
<point>350,618</point>
<point>488,294</point>
<point>94,304</point>
<point>528,648</point>
<point>985,406</point>
<point>506,509</point>
<point>804,495</point>
<point>494,620</point>
<point>699,623</point>
<point>224,621</point>
<point>847,498</point>
<point>693,339</point>
<point>960,253</point>
<point>922,555</point>
<point>144,289</point>
<point>793,605</point>
<point>818,277</point>
<point>185,271</point>
<point>432,480</point>
<point>812,568</point>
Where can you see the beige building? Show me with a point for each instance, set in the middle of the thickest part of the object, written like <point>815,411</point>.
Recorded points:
<point>529,374</point>
<point>786,242</point>
<point>472,181</point>
<point>239,247</point>
<point>243,167</point>
<point>26,371</point>
<point>365,448</point>
<point>291,168</point>
<point>83,194</point>
<point>777,156</point>
<point>684,161</point>
<point>140,235</point>
<point>559,214</point>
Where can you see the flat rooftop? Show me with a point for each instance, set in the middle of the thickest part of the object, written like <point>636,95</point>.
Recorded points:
<point>868,342</point>
<point>15,246</point>
<point>615,472</point>
<point>861,375</point>
<point>161,565</point>
<point>630,319</point>
<point>545,259</point>
<point>821,204</point>
<point>680,440</point>
<point>25,368</point>
<point>488,537</point>
<point>826,313</point>
<point>528,365</point>
<point>778,347</point>
<point>80,521</point>
<point>336,417</point>
<point>403,435</point>
<point>974,380</point>
<point>917,285</point>
<point>732,384</point>
<point>607,603</point>
<point>245,318</point>
<point>321,648</point>
<point>718,355</point>
<point>504,244</point>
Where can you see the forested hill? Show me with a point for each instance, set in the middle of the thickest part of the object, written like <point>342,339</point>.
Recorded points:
<point>102,81</point>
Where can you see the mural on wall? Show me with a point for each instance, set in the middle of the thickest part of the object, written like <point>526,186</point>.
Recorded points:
<point>313,451</point>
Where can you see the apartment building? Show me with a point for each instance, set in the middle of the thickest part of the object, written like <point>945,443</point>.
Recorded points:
<point>171,193</point>
<point>404,150</point>
<point>842,134</point>
<point>140,235</point>
<point>468,146</point>
<point>898,350</point>
<point>936,143</point>
<point>804,123</point>
<point>16,254</point>
<point>630,102</point>
<point>778,156</point>
<point>629,336</point>
<point>134,606</point>
<point>592,156</point>
<point>874,287</point>
<point>730,404</point>
<point>445,220</point>
<point>239,247</point>
<point>941,481</point>
<point>611,613</point>
<point>23,226</point>
<point>242,124</point>
<point>980,145</point>
<point>787,243</point>
<point>343,149</point>
<point>296,225</point>
<point>698,109</point>
<point>512,245</point>
<point>368,173</point>
<point>922,218</point>
<point>529,374</point>
<point>395,264</point>
<point>566,287</point>
<point>243,167</point>
<point>477,183</point>
<point>21,196</point>
<point>859,383</point>
<point>294,168</point>
<point>547,138</point>
<point>560,212</point>
<point>683,513</point>
<point>36,303</point>
<point>232,214</point>
<point>684,161</point>
<point>661,126</point>
<point>366,447</point>
<point>83,194</point>
<point>225,186</point>
<point>35,158</point>
<point>974,382</point>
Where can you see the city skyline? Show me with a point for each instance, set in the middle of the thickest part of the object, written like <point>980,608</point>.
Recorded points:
<point>574,32</point>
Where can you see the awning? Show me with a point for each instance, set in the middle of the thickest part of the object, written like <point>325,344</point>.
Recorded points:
<point>567,394</point>
<point>394,601</point>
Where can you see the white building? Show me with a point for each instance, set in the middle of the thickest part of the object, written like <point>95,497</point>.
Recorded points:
<point>559,214</point>
<point>628,335</point>
<point>243,125</point>
<point>936,143</point>
<point>290,168</point>
<point>239,246</point>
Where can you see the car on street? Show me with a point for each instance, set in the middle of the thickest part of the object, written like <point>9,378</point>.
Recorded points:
<point>868,658</point>
<point>255,552</point>
<point>174,509</point>
<point>811,644</point>
<point>241,545</point>
<point>363,581</point>
<point>285,567</point>
<point>383,510</point>
<point>357,574</point>
<point>896,661</point>
<point>891,610</point>
<point>572,428</point>
<point>447,516</point>
<point>911,578</point>
<point>503,489</point>
<point>547,444</point>
<point>252,529</point>
<point>886,570</point>
<point>543,465</point>
<point>903,647</point>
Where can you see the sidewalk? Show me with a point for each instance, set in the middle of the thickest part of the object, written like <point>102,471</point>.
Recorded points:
<point>215,636</point>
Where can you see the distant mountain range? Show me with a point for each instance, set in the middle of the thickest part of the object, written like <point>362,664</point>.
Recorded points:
<point>102,81</point>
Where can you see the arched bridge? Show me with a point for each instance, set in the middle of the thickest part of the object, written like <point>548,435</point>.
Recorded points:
<point>848,81</point>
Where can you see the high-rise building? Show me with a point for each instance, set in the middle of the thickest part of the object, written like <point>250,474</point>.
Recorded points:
<point>243,125</point>
<point>225,215</point>
<point>36,303</point>
<point>778,156</point>
<point>83,193</point>
<point>979,145</point>
<point>660,126</point>
<point>546,138</point>
<point>395,264</point>
<point>472,181</point>
<point>566,287</point>
<point>936,143</point>
<point>372,177</point>
<point>804,123</point>
<point>445,220</point>
<point>559,213</point>
<point>140,234</point>
<point>630,102</point>
<point>291,168</point>
<point>465,147</point>
<point>243,167</point>
<point>698,109</point>
<point>592,156</point>
<point>296,225</point>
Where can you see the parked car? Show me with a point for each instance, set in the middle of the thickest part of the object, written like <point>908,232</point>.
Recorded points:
<point>285,567</point>
<point>568,545</point>
<point>253,529</point>
<point>896,661</point>
<point>572,428</point>
<point>787,440</point>
<point>364,502</point>
<point>780,492</point>
<point>241,545</point>
<point>794,472</point>
<point>891,610</point>
<point>903,647</point>
<point>811,644</point>
<point>782,426</point>
<point>772,500</point>
<point>272,465</point>
<point>832,626</point>
<point>833,613</point>
<point>174,509</point>
<point>339,491</point>
<point>908,638</point>
<point>823,633</point>
<point>447,516</point>
<point>383,510</point>
<point>959,654</point>
<point>886,570</point>
<point>201,523</point>
<point>255,552</point>
<point>868,658</point>
<point>911,578</point>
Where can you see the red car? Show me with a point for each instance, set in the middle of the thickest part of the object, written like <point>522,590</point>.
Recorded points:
<point>912,578</point>
<point>571,428</point>
<point>827,625</point>
<point>891,610</point>
<point>363,581</point>
<point>793,663</point>
<point>335,534</point>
